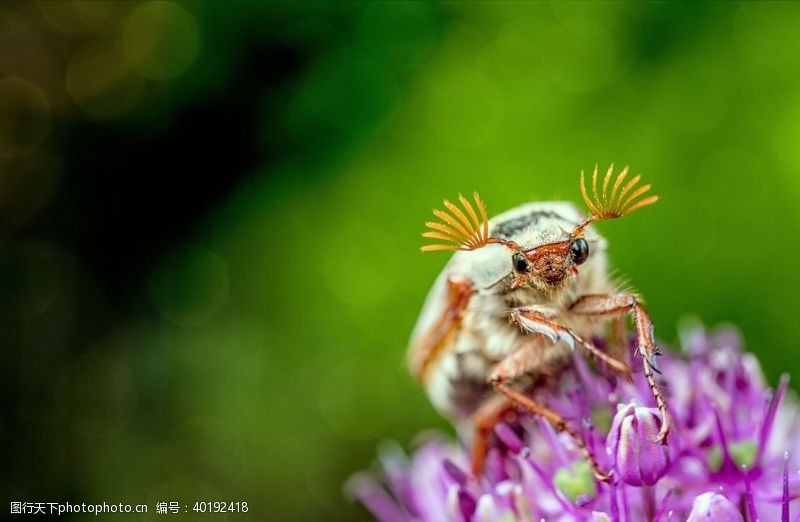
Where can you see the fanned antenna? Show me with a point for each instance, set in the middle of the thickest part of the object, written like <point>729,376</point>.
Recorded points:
<point>459,229</point>
<point>622,200</point>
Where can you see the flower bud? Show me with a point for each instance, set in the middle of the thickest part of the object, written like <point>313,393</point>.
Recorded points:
<point>713,506</point>
<point>638,459</point>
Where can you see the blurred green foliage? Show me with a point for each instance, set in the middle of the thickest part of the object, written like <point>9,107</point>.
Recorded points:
<point>262,359</point>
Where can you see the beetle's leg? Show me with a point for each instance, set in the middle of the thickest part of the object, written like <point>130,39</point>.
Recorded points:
<point>517,364</point>
<point>629,304</point>
<point>618,342</point>
<point>537,321</point>
<point>484,419</point>
<point>423,354</point>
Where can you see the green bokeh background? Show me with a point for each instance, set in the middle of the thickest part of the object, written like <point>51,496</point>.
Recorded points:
<point>260,357</point>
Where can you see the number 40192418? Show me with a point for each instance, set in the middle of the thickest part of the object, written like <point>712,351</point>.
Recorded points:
<point>220,507</point>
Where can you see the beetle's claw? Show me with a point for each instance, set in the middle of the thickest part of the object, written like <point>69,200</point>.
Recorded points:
<point>652,361</point>
<point>603,477</point>
<point>664,432</point>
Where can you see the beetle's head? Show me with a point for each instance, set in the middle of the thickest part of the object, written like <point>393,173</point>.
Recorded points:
<point>550,264</point>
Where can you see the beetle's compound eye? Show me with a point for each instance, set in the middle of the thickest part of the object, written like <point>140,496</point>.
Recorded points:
<point>579,250</point>
<point>521,265</point>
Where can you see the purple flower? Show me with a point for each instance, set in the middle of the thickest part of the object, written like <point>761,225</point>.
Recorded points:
<point>733,452</point>
<point>639,460</point>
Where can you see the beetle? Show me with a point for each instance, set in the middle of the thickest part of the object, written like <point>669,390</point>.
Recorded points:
<point>520,293</point>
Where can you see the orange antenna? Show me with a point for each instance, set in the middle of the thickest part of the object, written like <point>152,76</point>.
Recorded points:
<point>623,199</point>
<point>460,229</point>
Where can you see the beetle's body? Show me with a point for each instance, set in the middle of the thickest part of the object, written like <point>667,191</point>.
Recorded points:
<point>522,291</point>
<point>456,379</point>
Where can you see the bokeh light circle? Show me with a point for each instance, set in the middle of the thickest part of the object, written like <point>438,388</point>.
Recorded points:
<point>161,39</point>
<point>352,388</point>
<point>191,286</point>
<point>100,81</point>
<point>24,116</point>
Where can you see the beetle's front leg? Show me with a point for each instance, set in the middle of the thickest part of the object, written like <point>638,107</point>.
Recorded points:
<point>540,321</point>
<point>519,363</point>
<point>629,304</point>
